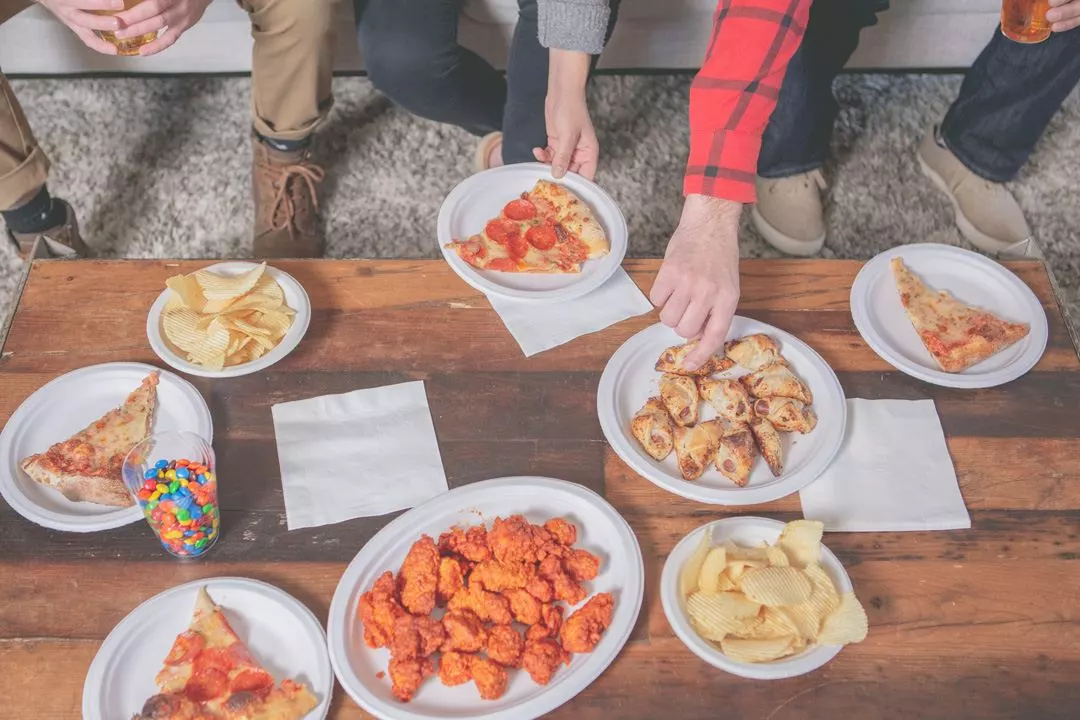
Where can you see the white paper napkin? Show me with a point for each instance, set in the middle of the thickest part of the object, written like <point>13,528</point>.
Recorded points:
<point>892,473</point>
<point>542,326</point>
<point>359,454</point>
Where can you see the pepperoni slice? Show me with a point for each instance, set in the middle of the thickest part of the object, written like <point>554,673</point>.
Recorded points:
<point>520,209</point>
<point>253,680</point>
<point>207,684</point>
<point>187,645</point>
<point>500,230</point>
<point>542,237</point>
<point>472,251</point>
<point>215,659</point>
<point>517,246</point>
<point>503,264</point>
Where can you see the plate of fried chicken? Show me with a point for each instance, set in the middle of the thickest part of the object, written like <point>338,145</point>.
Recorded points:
<point>500,599</point>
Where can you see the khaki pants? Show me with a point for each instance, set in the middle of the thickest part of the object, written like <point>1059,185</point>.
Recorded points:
<point>291,67</point>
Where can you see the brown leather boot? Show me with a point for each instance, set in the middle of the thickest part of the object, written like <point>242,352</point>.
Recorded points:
<point>61,241</point>
<point>286,206</point>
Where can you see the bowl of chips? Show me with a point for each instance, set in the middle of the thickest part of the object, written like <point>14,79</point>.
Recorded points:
<point>228,319</point>
<point>760,599</point>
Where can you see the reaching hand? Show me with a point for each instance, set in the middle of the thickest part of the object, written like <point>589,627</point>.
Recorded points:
<point>1064,15</point>
<point>150,16</point>
<point>572,144</point>
<point>80,16</point>
<point>697,287</point>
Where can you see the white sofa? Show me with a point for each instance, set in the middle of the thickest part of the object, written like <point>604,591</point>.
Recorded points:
<point>655,34</point>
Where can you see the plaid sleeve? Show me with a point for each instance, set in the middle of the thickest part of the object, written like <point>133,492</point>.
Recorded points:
<point>736,90</point>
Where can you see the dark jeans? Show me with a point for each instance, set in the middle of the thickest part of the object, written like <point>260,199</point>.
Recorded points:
<point>1007,98</point>
<point>411,53</point>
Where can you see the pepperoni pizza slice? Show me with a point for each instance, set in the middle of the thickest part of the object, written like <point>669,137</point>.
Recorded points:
<point>548,229</point>
<point>209,674</point>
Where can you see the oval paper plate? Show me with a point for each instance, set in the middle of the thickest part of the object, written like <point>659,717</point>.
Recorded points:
<point>295,297</point>
<point>481,197</point>
<point>283,635</point>
<point>747,532</point>
<point>971,278</point>
<point>66,405</point>
<point>601,530</point>
<point>630,379</point>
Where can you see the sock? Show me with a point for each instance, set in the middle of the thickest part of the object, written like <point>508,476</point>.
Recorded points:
<point>40,213</point>
<point>284,145</point>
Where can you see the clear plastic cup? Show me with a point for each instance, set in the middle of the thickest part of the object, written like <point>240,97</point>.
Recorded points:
<point>173,478</point>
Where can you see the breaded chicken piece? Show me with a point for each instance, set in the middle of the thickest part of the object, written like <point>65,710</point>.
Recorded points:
<point>464,632</point>
<point>490,678</point>
<point>541,589</point>
<point>416,637</point>
<point>551,617</point>
<point>378,609</point>
<point>542,658</point>
<point>451,579</point>
<point>515,540</point>
<point>562,530</point>
<point>488,606</point>
<point>419,577</point>
<point>523,606</point>
<point>497,576</point>
<point>407,676</point>
<point>566,588</point>
<point>582,630</point>
<point>455,668</point>
<point>505,645</point>
<point>582,565</point>
<point>470,543</point>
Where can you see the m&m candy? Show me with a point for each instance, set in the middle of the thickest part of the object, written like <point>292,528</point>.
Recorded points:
<point>178,500</point>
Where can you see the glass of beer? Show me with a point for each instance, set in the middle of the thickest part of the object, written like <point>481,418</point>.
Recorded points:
<point>1024,21</point>
<point>126,46</point>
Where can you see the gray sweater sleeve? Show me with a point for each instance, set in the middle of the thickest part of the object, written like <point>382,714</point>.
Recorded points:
<point>574,24</point>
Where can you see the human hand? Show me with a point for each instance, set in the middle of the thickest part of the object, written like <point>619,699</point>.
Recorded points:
<point>697,287</point>
<point>150,16</point>
<point>572,144</point>
<point>1063,15</point>
<point>81,17</point>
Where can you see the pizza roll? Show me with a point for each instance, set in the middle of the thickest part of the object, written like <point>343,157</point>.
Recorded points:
<point>671,361</point>
<point>729,398</point>
<point>777,380</point>
<point>786,414</point>
<point>654,429</point>
<point>754,351</point>
<point>768,441</point>
<point>735,455</point>
<point>695,448</point>
<point>680,397</point>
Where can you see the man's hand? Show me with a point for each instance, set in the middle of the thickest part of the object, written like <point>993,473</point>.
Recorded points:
<point>1064,15</point>
<point>572,143</point>
<point>79,15</point>
<point>697,287</point>
<point>150,16</point>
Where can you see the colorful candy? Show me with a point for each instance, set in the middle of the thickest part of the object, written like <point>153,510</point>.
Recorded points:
<point>178,501</point>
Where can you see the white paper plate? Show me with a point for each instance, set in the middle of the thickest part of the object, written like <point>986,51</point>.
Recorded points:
<point>748,532</point>
<point>630,379</point>
<point>481,197</point>
<point>295,297</point>
<point>66,405</point>
<point>283,635</point>
<point>971,278</point>
<point>601,530</point>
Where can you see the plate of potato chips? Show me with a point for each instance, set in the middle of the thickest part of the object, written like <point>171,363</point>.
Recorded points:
<point>228,319</point>
<point>760,599</point>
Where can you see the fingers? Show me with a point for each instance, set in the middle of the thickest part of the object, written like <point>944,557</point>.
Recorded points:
<point>1064,16</point>
<point>692,322</point>
<point>92,41</point>
<point>674,308</point>
<point>163,42</point>
<point>90,21</point>
<point>712,339</point>
<point>662,288</point>
<point>563,153</point>
<point>142,12</point>
<point>543,155</point>
<point>153,25</point>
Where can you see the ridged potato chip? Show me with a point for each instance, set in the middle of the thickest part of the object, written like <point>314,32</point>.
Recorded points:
<point>188,291</point>
<point>715,616</point>
<point>709,578</point>
<point>801,541</point>
<point>774,586</point>
<point>691,569</point>
<point>777,557</point>
<point>756,651</point>
<point>226,287</point>
<point>847,624</point>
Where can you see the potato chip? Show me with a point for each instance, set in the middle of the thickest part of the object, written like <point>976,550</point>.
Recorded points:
<point>715,616</point>
<point>725,583</point>
<point>774,586</point>
<point>777,557</point>
<point>275,321</point>
<point>847,624</point>
<point>756,651</point>
<point>188,291</point>
<point>688,574</point>
<point>223,287</point>
<point>801,541</point>
<point>771,624</point>
<point>709,578</point>
<point>181,327</point>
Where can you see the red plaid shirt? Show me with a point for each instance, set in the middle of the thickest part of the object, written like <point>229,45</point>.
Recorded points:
<point>735,92</point>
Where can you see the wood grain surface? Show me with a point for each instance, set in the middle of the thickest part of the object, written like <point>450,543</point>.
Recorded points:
<point>983,623</point>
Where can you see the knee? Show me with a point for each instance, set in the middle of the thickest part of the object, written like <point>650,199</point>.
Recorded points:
<point>308,22</point>
<point>401,64</point>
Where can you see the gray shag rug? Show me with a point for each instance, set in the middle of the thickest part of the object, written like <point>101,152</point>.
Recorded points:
<point>160,167</point>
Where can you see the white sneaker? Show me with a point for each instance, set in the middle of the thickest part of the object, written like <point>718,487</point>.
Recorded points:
<point>987,214</point>
<point>788,213</point>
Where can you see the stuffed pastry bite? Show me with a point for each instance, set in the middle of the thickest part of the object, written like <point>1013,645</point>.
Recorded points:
<point>777,380</point>
<point>768,442</point>
<point>728,397</point>
<point>654,429</point>
<point>754,352</point>
<point>680,396</point>
<point>736,453</point>
<point>786,414</point>
<point>695,447</point>
<point>671,360</point>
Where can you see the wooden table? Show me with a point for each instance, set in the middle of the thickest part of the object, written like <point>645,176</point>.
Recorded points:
<point>973,624</point>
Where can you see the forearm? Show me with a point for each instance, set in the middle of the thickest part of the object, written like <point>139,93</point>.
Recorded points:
<point>715,217</point>
<point>568,71</point>
<point>579,25</point>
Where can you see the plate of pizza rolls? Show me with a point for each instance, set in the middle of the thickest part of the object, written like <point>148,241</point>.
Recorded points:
<point>762,419</point>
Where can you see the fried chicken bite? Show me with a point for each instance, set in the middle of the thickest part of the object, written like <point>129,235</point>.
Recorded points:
<point>488,606</point>
<point>540,588</point>
<point>470,543</point>
<point>490,678</point>
<point>523,606</point>
<point>497,576</point>
<point>542,658</point>
<point>451,579</point>
<point>408,675</point>
<point>581,565</point>
<point>505,645</point>
<point>562,530</point>
<point>419,576</point>
<point>378,609</point>
<point>566,588</point>
<point>464,632</point>
<point>514,540</point>
<point>582,630</point>
<point>455,668</point>
<point>551,617</point>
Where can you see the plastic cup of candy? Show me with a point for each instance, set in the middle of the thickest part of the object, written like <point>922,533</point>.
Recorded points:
<point>173,478</point>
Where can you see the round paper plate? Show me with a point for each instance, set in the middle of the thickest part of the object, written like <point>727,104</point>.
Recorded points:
<point>481,197</point>
<point>283,635</point>
<point>295,297</point>
<point>747,532</point>
<point>66,405</point>
<point>971,278</point>
<point>601,530</point>
<point>630,379</point>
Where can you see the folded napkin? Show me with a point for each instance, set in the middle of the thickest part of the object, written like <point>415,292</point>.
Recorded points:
<point>542,326</point>
<point>360,454</point>
<point>892,473</point>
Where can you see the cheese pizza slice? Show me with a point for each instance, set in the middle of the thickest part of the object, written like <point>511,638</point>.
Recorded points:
<point>87,466</point>
<point>957,335</point>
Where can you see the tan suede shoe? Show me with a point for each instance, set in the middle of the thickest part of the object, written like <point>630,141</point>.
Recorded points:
<point>286,204</point>
<point>788,213</point>
<point>62,241</point>
<point>987,214</point>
